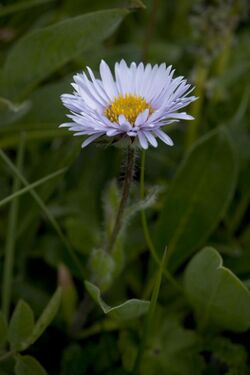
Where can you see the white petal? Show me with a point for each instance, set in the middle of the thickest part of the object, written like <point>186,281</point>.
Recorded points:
<point>108,80</point>
<point>122,119</point>
<point>180,116</point>
<point>112,132</point>
<point>151,138</point>
<point>121,74</point>
<point>90,139</point>
<point>166,95</point>
<point>98,86</point>
<point>164,137</point>
<point>142,140</point>
<point>132,133</point>
<point>142,117</point>
<point>138,78</point>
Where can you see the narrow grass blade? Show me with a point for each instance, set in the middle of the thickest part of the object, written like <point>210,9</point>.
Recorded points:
<point>151,314</point>
<point>69,256</point>
<point>31,186</point>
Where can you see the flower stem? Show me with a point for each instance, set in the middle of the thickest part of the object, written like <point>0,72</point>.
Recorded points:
<point>130,162</point>
<point>11,236</point>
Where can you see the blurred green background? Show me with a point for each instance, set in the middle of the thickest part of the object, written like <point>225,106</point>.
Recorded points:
<point>197,193</point>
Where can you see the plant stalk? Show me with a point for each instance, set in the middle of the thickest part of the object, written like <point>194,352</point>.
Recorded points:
<point>130,162</point>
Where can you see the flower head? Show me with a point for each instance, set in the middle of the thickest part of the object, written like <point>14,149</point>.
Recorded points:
<point>137,103</point>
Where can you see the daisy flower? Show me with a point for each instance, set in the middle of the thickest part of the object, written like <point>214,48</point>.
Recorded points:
<point>137,102</point>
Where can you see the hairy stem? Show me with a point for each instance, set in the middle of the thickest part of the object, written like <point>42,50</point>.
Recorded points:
<point>130,162</point>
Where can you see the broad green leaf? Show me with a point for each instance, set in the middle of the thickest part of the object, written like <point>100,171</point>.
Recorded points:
<point>130,309</point>
<point>27,365</point>
<point>11,112</point>
<point>43,51</point>
<point>46,110</point>
<point>45,319</point>
<point>198,197</point>
<point>81,234</point>
<point>21,325</point>
<point>217,295</point>
<point>3,330</point>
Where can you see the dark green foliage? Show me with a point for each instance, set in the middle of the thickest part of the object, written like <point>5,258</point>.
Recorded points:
<point>196,199</point>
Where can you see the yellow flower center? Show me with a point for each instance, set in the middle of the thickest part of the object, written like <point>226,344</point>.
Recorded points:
<point>128,105</point>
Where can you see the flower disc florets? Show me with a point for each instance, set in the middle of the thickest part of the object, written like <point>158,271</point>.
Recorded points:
<point>128,105</point>
<point>137,103</point>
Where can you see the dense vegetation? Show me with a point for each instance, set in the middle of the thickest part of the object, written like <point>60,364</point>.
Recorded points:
<point>180,310</point>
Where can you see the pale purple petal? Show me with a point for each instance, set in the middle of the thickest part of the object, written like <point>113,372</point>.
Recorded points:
<point>90,139</point>
<point>164,137</point>
<point>92,96</point>
<point>151,138</point>
<point>142,140</point>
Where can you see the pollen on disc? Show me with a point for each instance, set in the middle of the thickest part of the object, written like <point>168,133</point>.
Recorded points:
<point>128,105</point>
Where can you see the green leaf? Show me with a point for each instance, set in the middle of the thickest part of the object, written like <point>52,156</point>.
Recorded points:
<point>21,325</point>
<point>111,199</point>
<point>150,318</point>
<point>11,112</point>
<point>217,295</point>
<point>46,108</point>
<point>68,254</point>
<point>102,268</point>
<point>172,349</point>
<point>128,349</point>
<point>136,4</point>
<point>74,360</point>
<point>3,330</point>
<point>143,204</point>
<point>45,319</point>
<point>229,353</point>
<point>27,365</point>
<point>198,197</point>
<point>82,236</point>
<point>19,192</point>
<point>130,309</point>
<point>20,6</point>
<point>69,294</point>
<point>43,51</point>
